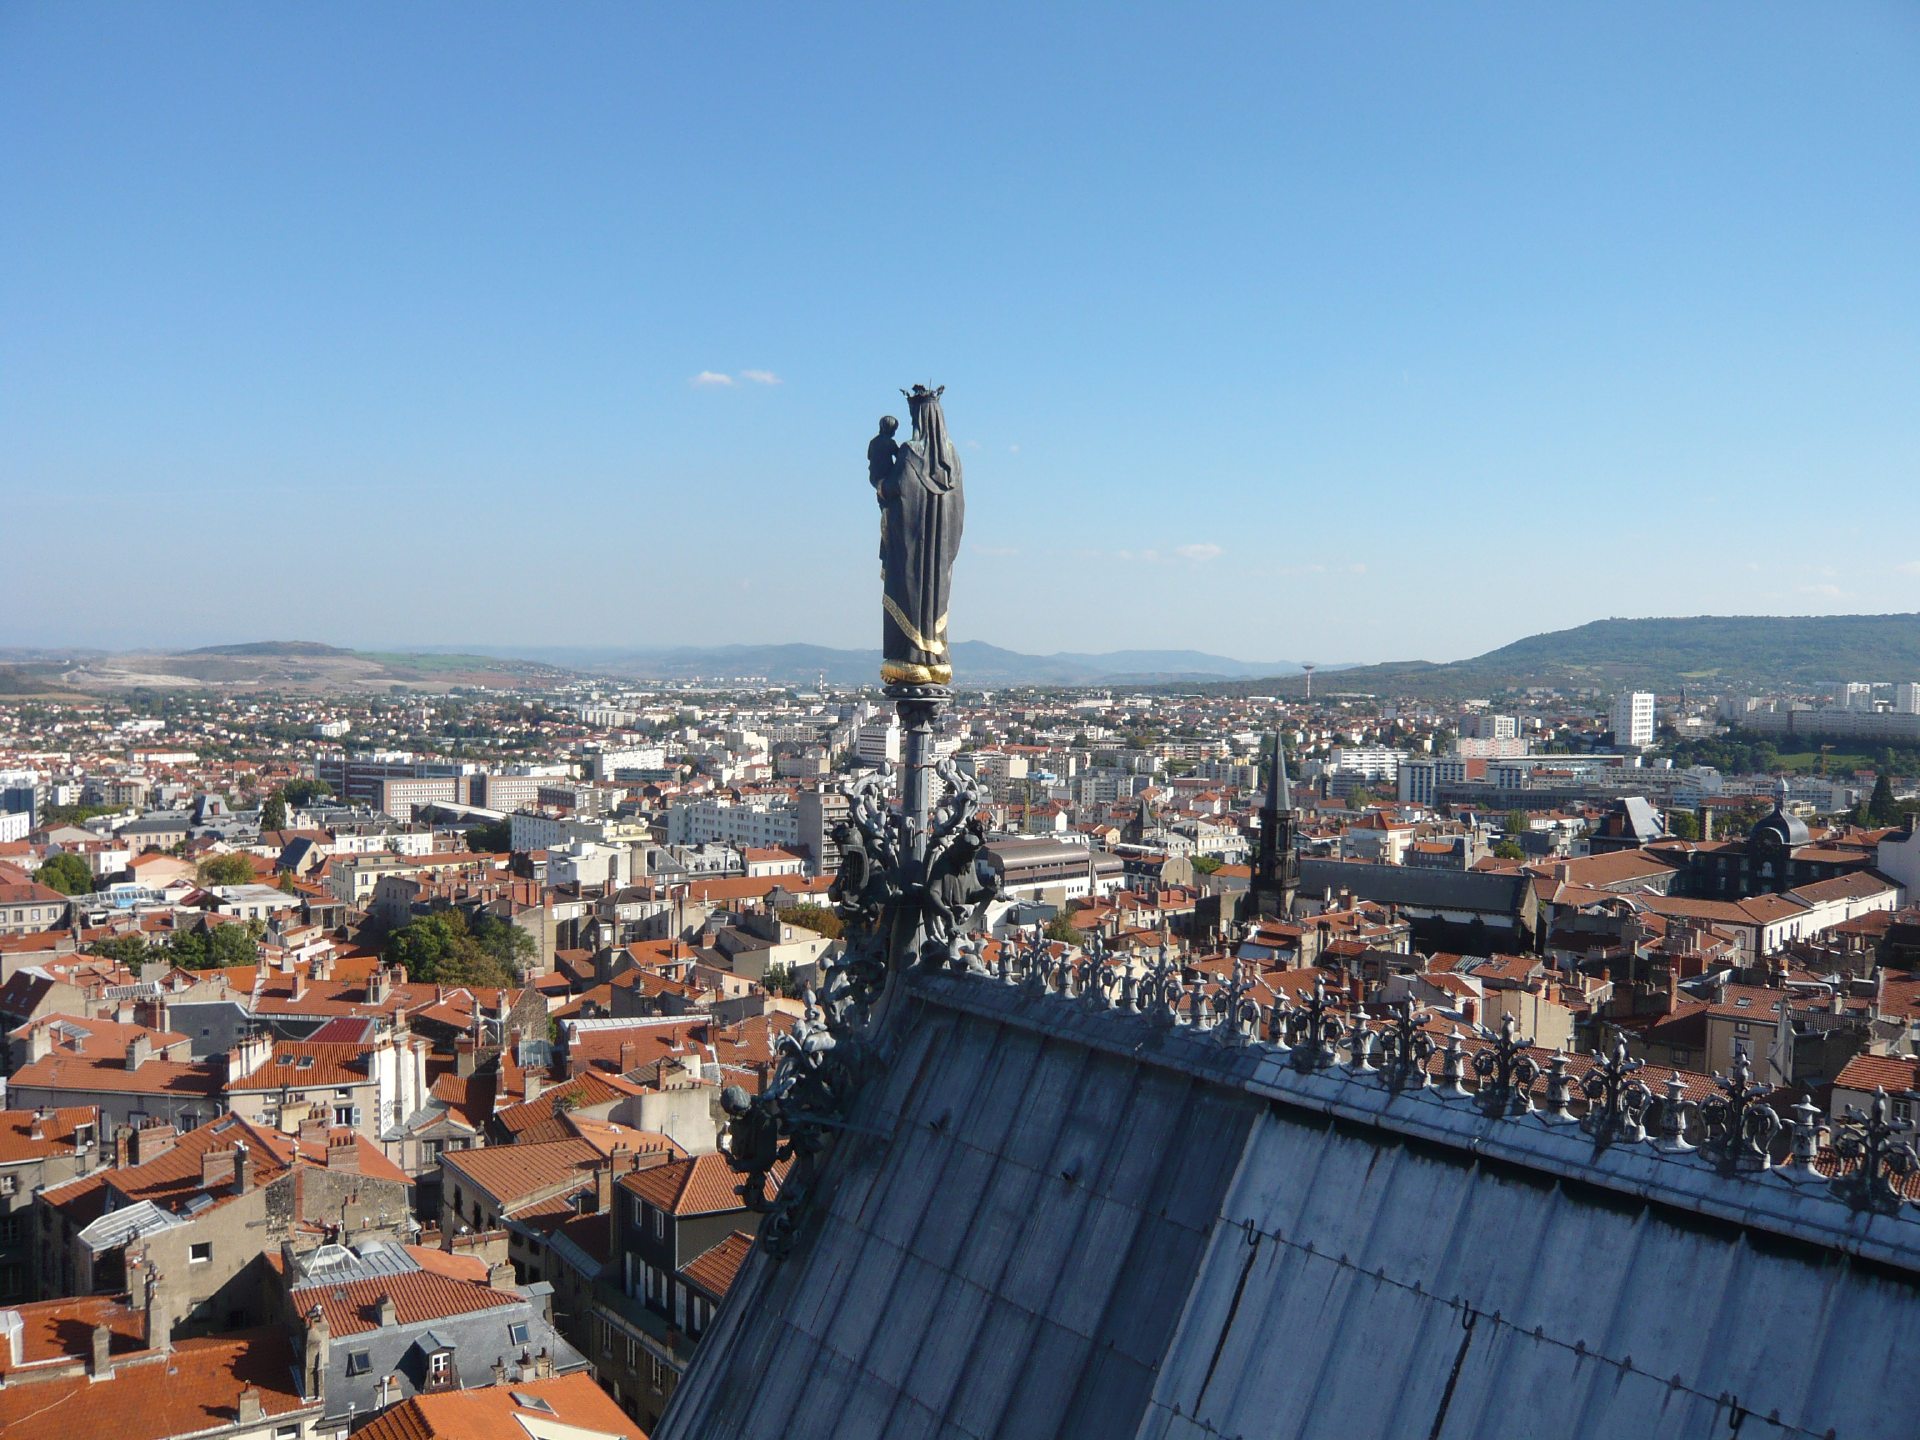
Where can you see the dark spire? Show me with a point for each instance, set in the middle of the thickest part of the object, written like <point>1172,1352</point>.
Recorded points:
<point>1276,871</point>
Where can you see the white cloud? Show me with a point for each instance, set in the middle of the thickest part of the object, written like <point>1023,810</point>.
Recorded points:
<point>711,379</point>
<point>1013,449</point>
<point>1910,567</point>
<point>760,377</point>
<point>1204,550</point>
<point>1827,592</point>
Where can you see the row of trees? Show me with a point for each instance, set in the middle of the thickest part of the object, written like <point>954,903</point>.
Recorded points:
<point>445,949</point>
<point>213,947</point>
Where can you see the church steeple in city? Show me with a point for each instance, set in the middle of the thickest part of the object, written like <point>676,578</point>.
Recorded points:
<point>1276,873</point>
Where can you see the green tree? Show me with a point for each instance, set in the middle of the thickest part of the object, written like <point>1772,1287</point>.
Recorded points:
<point>305,791</point>
<point>817,918</point>
<point>495,837</point>
<point>1062,929</point>
<point>234,869</point>
<point>1683,825</point>
<point>128,950</point>
<point>66,873</point>
<point>273,814</point>
<point>214,947</point>
<point>506,943</point>
<point>1881,809</point>
<point>1204,864</point>
<point>778,981</point>
<point>1517,822</point>
<point>440,949</point>
<point>1509,850</point>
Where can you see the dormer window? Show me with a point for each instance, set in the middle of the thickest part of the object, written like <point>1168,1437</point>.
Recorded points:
<point>440,1368</point>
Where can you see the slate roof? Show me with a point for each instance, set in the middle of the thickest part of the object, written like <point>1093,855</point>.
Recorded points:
<point>1491,893</point>
<point>1049,1219</point>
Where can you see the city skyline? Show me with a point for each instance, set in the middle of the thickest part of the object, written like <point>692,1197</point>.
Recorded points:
<point>1236,335</point>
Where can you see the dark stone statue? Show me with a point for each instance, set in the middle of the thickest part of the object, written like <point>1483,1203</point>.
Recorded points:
<point>922,509</point>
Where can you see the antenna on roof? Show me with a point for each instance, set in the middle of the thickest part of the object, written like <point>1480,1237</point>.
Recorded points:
<point>1308,667</point>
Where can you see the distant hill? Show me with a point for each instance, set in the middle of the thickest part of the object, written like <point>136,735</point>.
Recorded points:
<point>975,663</point>
<point>274,649</point>
<point>295,665</point>
<point>1717,653</point>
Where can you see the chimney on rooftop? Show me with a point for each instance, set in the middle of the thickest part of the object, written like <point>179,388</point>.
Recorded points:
<point>500,1277</point>
<point>603,1185</point>
<point>250,1410</point>
<point>122,1146</point>
<point>313,1369</point>
<point>389,1316</point>
<point>216,1167</point>
<point>139,1051</point>
<point>242,1172</point>
<point>150,1142</point>
<point>158,1325</point>
<point>99,1361</point>
<point>344,1156</point>
<point>629,1056</point>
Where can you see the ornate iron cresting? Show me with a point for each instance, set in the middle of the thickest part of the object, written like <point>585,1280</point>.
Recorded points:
<point>1315,1029</point>
<point>1616,1102</point>
<point>1507,1071</point>
<point>1880,1161</point>
<point>1737,1127</point>
<point>1405,1049</point>
<point>1740,1124</point>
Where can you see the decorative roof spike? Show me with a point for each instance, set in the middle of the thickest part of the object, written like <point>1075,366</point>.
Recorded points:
<point>1238,1015</point>
<point>1740,1124</point>
<point>1507,1071</point>
<point>1405,1049</point>
<point>1559,1090</point>
<point>1453,1069</point>
<point>1279,1020</point>
<point>1674,1107</point>
<point>1806,1139</point>
<point>1616,1102</point>
<point>1881,1161</point>
<point>1360,1043</point>
<point>1316,1029</point>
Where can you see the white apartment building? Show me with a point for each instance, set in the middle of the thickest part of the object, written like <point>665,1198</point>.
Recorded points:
<point>1485,725</point>
<point>1370,762</point>
<point>1852,695</point>
<point>755,823</point>
<point>1505,748</point>
<point>1631,719</point>
<point>878,742</point>
<point>1906,699</point>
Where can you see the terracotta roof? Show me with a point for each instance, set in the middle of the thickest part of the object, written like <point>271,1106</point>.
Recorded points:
<point>52,1330</point>
<point>491,1413</point>
<point>1896,1074</point>
<point>418,1295</point>
<point>195,1387</point>
<point>25,1135</point>
<point>510,1172</point>
<point>296,1064</point>
<point>713,1270</point>
<point>64,1071</point>
<point>704,1185</point>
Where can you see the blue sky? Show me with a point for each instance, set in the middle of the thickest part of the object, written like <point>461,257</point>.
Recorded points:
<point>1339,333</point>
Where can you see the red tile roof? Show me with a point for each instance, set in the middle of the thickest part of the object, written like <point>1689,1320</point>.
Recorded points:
<point>713,1270</point>
<point>417,1296</point>
<point>194,1387</point>
<point>491,1413</point>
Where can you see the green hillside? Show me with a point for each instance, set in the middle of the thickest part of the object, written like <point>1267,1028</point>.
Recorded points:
<point>1722,653</point>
